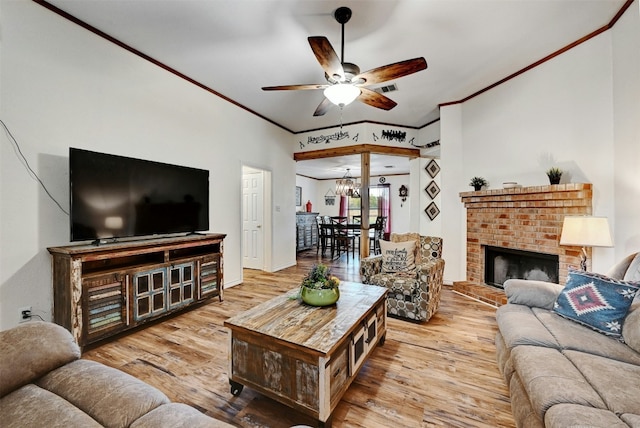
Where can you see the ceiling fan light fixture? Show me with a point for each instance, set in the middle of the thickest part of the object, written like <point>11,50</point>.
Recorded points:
<point>342,94</point>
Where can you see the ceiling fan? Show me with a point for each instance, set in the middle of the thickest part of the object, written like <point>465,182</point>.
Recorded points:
<point>345,82</point>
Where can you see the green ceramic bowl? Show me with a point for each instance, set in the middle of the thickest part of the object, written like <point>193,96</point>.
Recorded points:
<point>321,297</point>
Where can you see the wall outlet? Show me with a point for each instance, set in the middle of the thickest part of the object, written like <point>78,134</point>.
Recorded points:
<point>22,311</point>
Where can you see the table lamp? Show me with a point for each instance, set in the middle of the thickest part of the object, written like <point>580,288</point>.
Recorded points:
<point>586,231</point>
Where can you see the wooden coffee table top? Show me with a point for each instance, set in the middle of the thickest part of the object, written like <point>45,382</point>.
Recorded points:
<point>315,328</point>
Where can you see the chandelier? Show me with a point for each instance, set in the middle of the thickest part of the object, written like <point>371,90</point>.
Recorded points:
<point>348,186</point>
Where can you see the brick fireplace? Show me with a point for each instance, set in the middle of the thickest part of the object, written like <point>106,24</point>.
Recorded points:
<point>521,218</point>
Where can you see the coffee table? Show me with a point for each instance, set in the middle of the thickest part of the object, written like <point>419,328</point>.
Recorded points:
<point>304,356</point>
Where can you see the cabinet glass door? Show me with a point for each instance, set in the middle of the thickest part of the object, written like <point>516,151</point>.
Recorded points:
<point>149,293</point>
<point>181,285</point>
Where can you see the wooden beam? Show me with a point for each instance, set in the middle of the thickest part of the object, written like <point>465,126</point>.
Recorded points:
<point>355,150</point>
<point>365,169</point>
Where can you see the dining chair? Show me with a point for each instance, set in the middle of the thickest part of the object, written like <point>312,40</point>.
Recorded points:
<point>377,234</point>
<point>325,233</point>
<point>342,239</point>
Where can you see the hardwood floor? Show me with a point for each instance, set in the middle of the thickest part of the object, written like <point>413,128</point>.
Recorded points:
<point>439,374</point>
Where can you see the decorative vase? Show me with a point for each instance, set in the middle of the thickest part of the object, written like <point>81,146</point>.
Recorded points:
<point>477,187</point>
<point>554,180</point>
<point>319,297</point>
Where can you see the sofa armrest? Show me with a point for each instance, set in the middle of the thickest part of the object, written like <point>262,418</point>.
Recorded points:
<point>370,266</point>
<point>532,293</point>
<point>32,350</point>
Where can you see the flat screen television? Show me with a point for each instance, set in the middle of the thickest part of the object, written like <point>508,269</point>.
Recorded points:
<point>116,196</point>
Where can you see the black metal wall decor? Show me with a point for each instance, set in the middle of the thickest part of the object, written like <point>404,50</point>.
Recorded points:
<point>432,211</point>
<point>425,146</point>
<point>394,135</point>
<point>432,168</point>
<point>326,139</point>
<point>432,189</point>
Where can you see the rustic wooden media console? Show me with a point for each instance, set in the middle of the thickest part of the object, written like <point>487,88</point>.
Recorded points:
<point>102,290</point>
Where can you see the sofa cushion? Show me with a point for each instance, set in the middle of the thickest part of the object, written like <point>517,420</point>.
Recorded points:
<point>31,350</point>
<point>549,378</point>
<point>110,396</point>
<point>615,382</point>
<point>631,327</point>
<point>32,406</point>
<point>532,293</point>
<point>177,415</point>
<point>519,325</point>
<point>521,406</point>
<point>575,416</point>
<point>398,257</point>
<point>577,337</point>
<point>631,419</point>
<point>399,286</point>
<point>596,301</point>
<point>633,271</point>
<point>619,270</point>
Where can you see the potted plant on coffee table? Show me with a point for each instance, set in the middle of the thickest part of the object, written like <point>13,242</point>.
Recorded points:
<point>319,287</point>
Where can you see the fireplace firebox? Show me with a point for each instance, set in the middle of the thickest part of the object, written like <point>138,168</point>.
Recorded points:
<point>502,264</point>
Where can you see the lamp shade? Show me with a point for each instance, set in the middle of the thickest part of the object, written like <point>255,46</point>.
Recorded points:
<point>586,231</point>
<point>342,94</point>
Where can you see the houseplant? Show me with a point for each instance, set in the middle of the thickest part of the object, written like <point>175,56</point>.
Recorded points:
<point>554,175</point>
<point>477,183</point>
<point>319,287</point>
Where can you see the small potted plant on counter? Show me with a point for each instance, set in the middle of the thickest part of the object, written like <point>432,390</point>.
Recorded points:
<point>477,183</point>
<point>554,175</point>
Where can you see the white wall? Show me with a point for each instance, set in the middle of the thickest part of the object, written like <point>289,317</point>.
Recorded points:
<point>62,86</point>
<point>626,131</point>
<point>569,112</point>
<point>309,193</point>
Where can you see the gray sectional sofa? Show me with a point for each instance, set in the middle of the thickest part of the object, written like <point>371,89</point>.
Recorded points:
<point>44,382</point>
<point>564,374</point>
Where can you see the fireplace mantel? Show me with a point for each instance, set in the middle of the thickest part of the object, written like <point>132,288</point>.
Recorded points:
<point>531,193</point>
<point>523,218</point>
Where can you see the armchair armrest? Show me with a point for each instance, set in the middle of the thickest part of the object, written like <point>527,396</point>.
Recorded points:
<point>429,272</point>
<point>370,266</point>
<point>532,293</point>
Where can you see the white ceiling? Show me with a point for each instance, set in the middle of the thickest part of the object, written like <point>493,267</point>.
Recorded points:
<point>236,47</point>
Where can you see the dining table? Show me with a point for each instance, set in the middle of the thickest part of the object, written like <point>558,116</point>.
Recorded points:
<point>328,231</point>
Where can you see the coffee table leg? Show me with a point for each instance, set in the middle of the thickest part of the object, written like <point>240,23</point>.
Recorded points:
<point>236,388</point>
<point>326,424</point>
<point>382,339</point>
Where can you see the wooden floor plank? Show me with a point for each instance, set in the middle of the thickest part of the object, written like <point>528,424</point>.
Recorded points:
<point>437,374</point>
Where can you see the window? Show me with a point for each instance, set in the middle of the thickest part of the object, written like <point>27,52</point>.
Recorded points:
<point>378,205</point>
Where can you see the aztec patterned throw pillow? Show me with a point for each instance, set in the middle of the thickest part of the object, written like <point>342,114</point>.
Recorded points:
<point>596,301</point>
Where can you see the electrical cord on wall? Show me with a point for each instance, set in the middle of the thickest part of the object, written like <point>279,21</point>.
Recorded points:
<point>24,160</point>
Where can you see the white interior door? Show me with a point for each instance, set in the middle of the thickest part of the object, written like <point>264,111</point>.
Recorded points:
<point>253,219</point>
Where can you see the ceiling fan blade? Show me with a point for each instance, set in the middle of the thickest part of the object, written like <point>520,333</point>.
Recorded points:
<point>327,57</point>
<point>293,87</point>
<point>323,107</point>
<point>391,71</point>
<point>375,99</point>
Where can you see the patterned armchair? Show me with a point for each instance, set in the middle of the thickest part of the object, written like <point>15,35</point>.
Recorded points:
<point>413,296</point>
